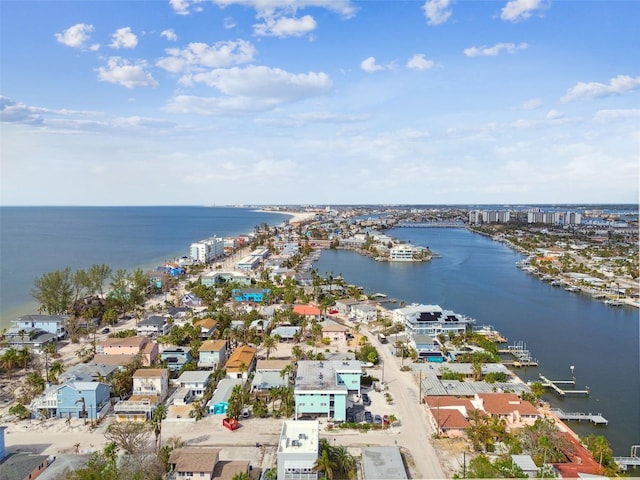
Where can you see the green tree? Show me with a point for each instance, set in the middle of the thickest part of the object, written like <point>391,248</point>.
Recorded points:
<point>19,411</point>
<point>10,359</point>
<point>98,274</point>
<point>54,291</point>
<point>324,464</point>
<point>159,414</point>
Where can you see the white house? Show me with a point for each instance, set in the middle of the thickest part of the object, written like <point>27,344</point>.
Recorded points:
<point>364,312</point>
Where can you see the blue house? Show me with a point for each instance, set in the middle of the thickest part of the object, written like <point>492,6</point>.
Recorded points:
<point>54,324</point>
<point>250,294</point>
<point>88,400</point>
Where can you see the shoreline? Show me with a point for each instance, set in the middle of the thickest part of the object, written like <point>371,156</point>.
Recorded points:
<point>297,216</point>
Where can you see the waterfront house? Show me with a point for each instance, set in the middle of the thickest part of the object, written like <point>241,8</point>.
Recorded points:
<point>363,312</point>
<point>241,362</point>
<point>153,326</point>
<point>54,324</point>
<point>322,387</point>
<point>90,400</point>
<point>34,340</point>
<point>175,357</point>
<point>431,320</point>
<point>298,449</point>
<point>212,353</point>
<point>510,407</point>
<point>217,278</point>
<point>255,295</point>
<point>158,278</point>
<point>345,305</point>
<point>449,415</point>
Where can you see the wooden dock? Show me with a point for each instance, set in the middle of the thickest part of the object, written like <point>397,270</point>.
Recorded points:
<point>553,384</point>
<point>596,419</point>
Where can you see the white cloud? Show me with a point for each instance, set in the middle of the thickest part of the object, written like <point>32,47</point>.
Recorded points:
<point>485,51</point>
<point>285,27</point>
<point>76,36</point>
<point>229,23</point>
<point>517,10</point>
<point>169,34</point>
<point>181,7</point>
<point>264,82</point>
<point>554,114</point>
<point>437,11</point>
<point>531,104</point>
<point>124,38</point>
<point>369,65</point>
<point>119,70</point>
<point>616,86</point>
<point>419,62</point>
<point>199,55</point>
<point>605,116</point>
<point>269,8</point>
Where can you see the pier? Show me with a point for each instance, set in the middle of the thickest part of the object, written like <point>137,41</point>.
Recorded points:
<point>597,419</point>
<point>522,356</point>
<point>553,384</point>
<point>632,461</point>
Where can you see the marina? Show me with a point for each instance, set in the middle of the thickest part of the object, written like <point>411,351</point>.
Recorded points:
<point>522,356</point>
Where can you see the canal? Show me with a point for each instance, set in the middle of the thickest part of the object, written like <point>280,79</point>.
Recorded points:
<point>478,277</point>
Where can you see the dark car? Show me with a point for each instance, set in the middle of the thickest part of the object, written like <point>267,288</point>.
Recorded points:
<point>366,400</point>
<point>368,417</point>
<point>377,419</point>
<point>350,418</point>
<point>105,330</point>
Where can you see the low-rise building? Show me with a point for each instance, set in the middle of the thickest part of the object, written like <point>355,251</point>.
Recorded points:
<point>363,312</point>
<point>212,354</point>
<point>255,295</point>
<point>431,320</point>
<point>322,387</point>
<point>175,357</point>
<point>241,362</point>
<point>383,463</point>
<point>54,324</point>
<point>298,450</point>
<point>89,400</point>
<point>153,326</point>
<point>139,346</point>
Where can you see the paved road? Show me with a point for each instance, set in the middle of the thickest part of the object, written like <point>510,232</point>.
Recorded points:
<point>415,431</point>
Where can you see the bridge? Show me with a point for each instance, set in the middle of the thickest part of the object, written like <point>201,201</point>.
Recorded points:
<point>632,461</point>
<point>442,224</point>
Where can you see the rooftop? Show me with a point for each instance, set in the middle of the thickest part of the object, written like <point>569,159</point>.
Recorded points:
<point>299,436</point>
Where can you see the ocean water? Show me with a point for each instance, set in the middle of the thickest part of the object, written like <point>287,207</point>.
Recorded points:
<point>478,277</point>
<point>37,240</point>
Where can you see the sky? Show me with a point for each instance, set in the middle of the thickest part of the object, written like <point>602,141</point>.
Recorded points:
<point>227,102</point>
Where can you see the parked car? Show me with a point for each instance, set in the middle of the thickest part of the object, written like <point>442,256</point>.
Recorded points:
<point>377,419</point>
<point>385,419</point>
<point>245,413</point>
<point>368,417</point>
<point>366,401</point>
<point>105,330</point>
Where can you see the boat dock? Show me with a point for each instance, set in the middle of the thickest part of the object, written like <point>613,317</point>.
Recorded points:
<point>632,461</point>
<point>522,356</point>
<point>597,419</point>
<point>553,384</point>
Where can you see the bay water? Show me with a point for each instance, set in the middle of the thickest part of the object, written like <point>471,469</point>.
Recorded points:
<point>37,240</point>
<point>478,277</point>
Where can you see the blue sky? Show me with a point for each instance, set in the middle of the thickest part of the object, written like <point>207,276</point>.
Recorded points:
<point>200,102</point>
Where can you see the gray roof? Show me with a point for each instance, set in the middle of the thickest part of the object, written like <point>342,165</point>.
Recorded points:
<point>321,375</point>
<point>383,463</point>
<point>194,376</point>
<point>266,380</point>
<point>87,372</point>
<point>153,320</point>
<point>223,392</point>
<point>18,466</point>
<point>285,331</point>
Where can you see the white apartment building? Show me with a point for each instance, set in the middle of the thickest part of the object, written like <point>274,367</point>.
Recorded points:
<point>298,450</point>
<point>207,250</point>
<point>430,320</point>
<point>401,253</point>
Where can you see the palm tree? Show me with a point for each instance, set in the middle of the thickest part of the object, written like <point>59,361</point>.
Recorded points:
<point>24,356</point>
<point>159,414</point>
<point>325,464</point>
<point>270,343</point>
<point>56,369</point>
<point>10,359</point>
<point>344,460</point>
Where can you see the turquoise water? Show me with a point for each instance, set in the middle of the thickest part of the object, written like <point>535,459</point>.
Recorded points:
<point>478,277</point>
<point>36,240</point>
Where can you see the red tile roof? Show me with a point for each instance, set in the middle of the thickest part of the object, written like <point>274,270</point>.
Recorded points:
<point>505,404</point>
<point>306,310</point>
